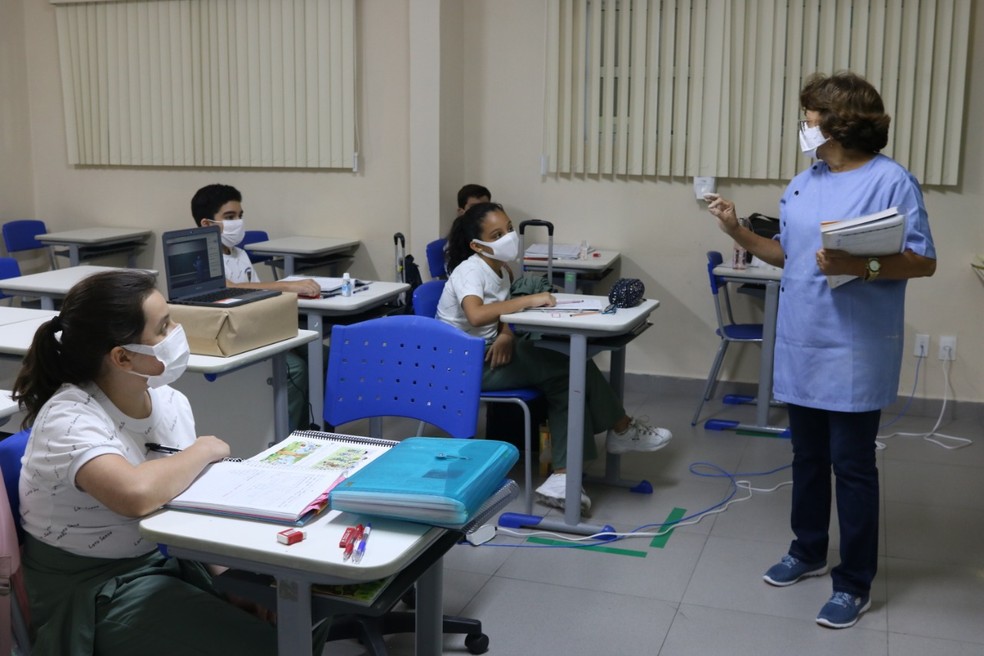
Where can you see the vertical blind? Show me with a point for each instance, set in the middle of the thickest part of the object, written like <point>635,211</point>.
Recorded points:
<point>711,87</point>
<point>213,83</point>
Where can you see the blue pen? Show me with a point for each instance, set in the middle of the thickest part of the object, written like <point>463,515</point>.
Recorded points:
<point>360,549</point>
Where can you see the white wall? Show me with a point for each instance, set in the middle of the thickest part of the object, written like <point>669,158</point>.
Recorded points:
<point>491,101</point>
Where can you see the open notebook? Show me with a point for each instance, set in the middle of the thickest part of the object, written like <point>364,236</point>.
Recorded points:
<point>286,484</point>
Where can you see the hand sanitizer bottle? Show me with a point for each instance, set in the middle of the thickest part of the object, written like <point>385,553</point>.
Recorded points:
<point>346,284</point>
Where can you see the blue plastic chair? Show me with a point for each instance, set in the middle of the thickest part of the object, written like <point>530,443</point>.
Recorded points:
<point>13,622</point>
<point>436,262</point>
<point>728,331</point>
<point>404,366</point>
<point>253,236</point>
<point>425,299</point>
<point>21,235</point>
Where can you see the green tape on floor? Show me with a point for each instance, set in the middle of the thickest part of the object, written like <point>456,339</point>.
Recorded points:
<point>588,547</point>
<point>675,515</point>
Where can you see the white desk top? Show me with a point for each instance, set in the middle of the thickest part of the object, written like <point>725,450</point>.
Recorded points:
<point>16,338</point>
<point>303,246</point>
<point>592,325</point>
<point>597,261</point>
<point>757,273</point>
<point>56,282</point>
<point>18,314</point>
<point>392,545</point>
<point>95,235</point>
<point>211,364</point>
<point>376,293</point>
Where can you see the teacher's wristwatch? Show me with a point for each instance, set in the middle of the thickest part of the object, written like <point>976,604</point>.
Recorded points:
<point>872,270</point>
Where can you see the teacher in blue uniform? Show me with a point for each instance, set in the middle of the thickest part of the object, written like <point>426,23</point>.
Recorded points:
<point>838,351</point>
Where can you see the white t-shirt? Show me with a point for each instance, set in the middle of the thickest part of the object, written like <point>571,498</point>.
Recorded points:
<point>76,425</point>
<point>473,277</point>
<point>238,268</point>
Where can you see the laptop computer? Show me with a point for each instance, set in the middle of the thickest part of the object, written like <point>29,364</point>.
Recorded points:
<point>195,272</point>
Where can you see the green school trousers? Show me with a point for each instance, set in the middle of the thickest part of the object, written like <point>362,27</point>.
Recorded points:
<point>548,371</point>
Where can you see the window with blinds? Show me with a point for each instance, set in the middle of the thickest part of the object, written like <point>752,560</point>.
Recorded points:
<point>210,83</point>
<point>711,88</point>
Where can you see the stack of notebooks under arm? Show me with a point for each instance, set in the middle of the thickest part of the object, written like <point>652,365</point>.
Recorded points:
<point>441,481</point>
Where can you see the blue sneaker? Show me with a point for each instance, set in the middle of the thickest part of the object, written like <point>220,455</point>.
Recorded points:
<point>843,610</point>
<point>789,570</point>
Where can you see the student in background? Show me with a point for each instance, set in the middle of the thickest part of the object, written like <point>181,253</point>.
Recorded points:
<point>838,351</point>
<point>472,194</point>
<point>222,205</point>
<point>480,246</point>
<point>95,388</point>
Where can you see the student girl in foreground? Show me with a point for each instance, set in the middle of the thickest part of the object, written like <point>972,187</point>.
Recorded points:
<point>95,389</point>
<point>480,246</point>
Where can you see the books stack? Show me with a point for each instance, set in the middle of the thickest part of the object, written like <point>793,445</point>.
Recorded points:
<point>872,235</point>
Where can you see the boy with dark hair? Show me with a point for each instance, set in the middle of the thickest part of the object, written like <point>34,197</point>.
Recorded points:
<point>222,205</point>
<point>472,194</point>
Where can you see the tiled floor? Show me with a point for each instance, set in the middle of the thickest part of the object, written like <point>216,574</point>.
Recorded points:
<point>702,592</point>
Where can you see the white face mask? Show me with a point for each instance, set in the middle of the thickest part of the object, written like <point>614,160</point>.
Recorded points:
<point>810,139</point>
<point>172,352</point>
<point>233,232</point>
<point>504,249</point>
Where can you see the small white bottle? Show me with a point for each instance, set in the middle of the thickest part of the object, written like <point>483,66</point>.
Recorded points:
<point>346,284</point>
<point>583,252</point>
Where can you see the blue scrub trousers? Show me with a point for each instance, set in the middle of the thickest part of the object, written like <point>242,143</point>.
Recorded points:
<point>844,441</point>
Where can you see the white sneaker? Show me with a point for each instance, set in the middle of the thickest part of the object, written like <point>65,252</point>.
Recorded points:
<point>639,436</point>
<point>554,491</point>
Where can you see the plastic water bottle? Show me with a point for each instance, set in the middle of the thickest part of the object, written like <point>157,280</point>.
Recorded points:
<point>583,251</point>
<point>346,284</point>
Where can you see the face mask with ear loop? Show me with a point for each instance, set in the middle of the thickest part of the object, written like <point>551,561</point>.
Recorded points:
<point>172,351</point>
<point>810,138</point>
<point>504,249</point>
<point>233,232</point>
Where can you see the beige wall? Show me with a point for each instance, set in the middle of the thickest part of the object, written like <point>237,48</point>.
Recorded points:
<point>663,232</point>
<point>491,100</point>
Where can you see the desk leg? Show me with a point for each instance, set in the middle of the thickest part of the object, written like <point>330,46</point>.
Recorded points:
<point>575,452</point>
<point>316,363</point>
<point>47,303</point>
<point>613,461</point>
<point>73,255</point>
<point>281,423</point>
<point>764,397</point>
<point>293,617</point>
<point>288,265</point>
<point>430,611</point>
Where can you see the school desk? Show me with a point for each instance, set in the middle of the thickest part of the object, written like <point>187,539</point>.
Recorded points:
<point>770,277</point>
<point>587,335</point>
<point>597,265</point>
<point>305,252</point>
<point>54,284</point>
<point>86,243</point>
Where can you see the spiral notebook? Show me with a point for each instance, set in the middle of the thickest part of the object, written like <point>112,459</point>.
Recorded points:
<point>288,483</point>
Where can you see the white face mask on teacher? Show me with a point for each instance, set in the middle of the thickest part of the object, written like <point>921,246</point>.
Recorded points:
<point>810,138</point>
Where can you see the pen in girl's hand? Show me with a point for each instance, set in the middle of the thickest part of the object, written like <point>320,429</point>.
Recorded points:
<point>160,448</point>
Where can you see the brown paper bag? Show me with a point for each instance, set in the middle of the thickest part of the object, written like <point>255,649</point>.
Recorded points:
<point>228,331</point>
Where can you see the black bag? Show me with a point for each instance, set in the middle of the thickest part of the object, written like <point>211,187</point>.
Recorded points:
<point>627,292</point>
<point>764,226</point>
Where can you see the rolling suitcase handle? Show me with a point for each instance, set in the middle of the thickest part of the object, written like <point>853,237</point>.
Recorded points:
<point>399,254</point>
<point>522,245</point>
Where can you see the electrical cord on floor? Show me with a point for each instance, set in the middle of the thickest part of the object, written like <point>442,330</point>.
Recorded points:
<point>608,538</point>
<point>933,436</point>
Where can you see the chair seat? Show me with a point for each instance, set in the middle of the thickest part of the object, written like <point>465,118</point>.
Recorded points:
<point>743,332</point>
<point>524,393</point>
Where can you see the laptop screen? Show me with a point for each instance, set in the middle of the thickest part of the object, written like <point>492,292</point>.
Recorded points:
<point>193,261</point>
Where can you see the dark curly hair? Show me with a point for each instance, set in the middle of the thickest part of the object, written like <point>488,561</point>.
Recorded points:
<point>465,228</point>
<point>851,110</point>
